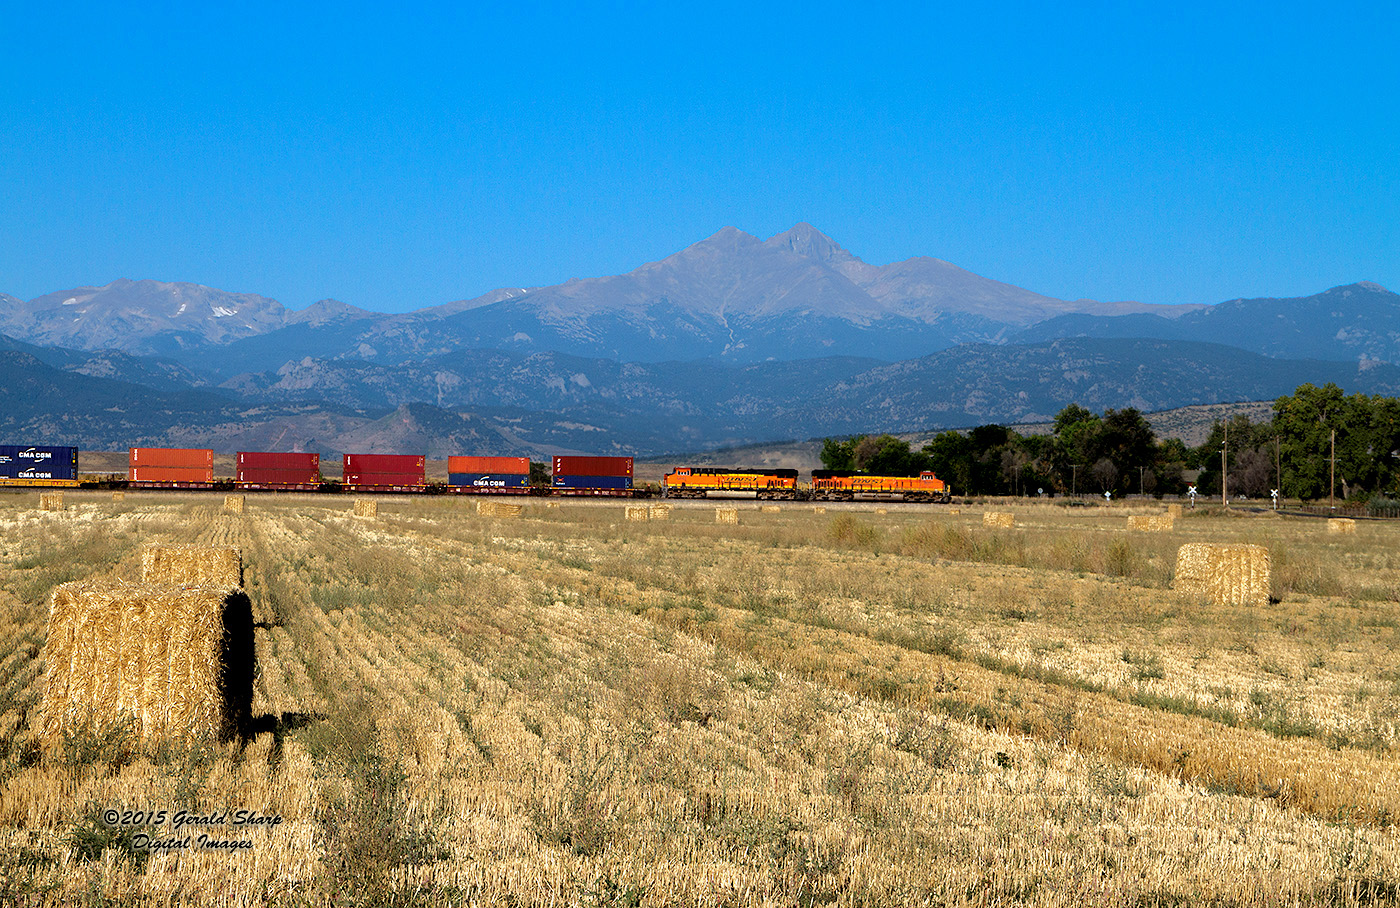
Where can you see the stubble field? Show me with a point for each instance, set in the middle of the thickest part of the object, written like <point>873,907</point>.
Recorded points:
<point>849,708</point>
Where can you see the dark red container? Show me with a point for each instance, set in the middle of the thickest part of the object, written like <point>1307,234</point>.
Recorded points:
<point>568,465</point>
<point>278,477</point>
<point>170,457</point>
<point>517,466</point>
<point>266,460</point>
<point>384,463</point>
<point>384,479</point>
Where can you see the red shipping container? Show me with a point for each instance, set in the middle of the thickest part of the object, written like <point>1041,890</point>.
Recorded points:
<point>592,466</point>
<point>384,479</point>
<point>265,460</point>
<point>383,463</point>
<point>278,477</point>
<point>171,457</point>
<point>170,474</point>
<point>517,466</point>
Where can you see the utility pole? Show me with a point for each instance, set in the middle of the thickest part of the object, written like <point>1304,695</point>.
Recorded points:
<point>1278,464</point>
<point>1332,482</point>
<point>1074,480</point>
<point>1224,446</point>
<point>1141,491</point>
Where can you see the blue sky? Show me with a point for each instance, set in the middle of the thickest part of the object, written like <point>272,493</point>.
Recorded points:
<point>389,159</point>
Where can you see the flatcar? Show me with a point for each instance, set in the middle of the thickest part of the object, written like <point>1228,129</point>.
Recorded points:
<point>699,482</point>
<point>845,485</point>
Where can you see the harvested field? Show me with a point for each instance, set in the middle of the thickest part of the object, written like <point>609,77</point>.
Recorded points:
<point>848,708</point>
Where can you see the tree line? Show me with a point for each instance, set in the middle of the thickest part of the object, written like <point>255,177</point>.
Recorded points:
<point>1118,452</point>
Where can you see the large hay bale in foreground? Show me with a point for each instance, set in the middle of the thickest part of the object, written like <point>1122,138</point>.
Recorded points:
<point>171,661</point>
<point>638,512</point>
<point>659,512</point>
<point>233,504</point>
<point>366,507</point>
<point>1226,574</point>
<point>1151,523</point>
<point>1174,511</point>
<point>726,515</point>
<point>216,566</point>
<point>50,501</point>
<point>1341,525</point>
<point>998,519</point>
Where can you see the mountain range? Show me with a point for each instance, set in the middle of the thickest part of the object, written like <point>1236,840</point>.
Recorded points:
<point>731,340</point>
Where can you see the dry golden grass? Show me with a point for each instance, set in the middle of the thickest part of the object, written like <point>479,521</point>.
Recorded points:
<point>856,709</point>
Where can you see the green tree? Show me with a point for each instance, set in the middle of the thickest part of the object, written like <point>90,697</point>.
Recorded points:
<point>840,455</point>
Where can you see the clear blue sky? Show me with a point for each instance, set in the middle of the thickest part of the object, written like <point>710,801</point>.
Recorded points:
<point>1158,152</point>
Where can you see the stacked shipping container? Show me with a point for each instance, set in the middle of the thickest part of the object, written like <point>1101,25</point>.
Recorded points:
<point>289,470</point>
<point>592,474</point>
<point>383,471</point>
<point>171,466</point>
<point>38,465</point>
<point>511,474</point>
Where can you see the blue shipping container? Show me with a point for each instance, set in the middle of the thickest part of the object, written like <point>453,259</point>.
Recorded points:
<point>593,482</point>
<point>38,462</point>
<point>489,480</point>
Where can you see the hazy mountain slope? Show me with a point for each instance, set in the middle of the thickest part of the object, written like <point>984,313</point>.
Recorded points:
<point>1345,323</point>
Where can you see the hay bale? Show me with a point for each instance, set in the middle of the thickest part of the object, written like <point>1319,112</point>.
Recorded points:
<point>551,504</point>
<point>1341,525</point>
<point>233,504</point>
<point>1226,574</point>
<point>119,496</point>
<point>770,509</point>
<point>1151,523</point>
<point>659,512</point>
<point>366,507</point>
<point>169,661</point>
<point>216,566</point>
<point>50,501</point>
<point>882,510</point>
<point>998,519</point>
<point>1174,511</point>
<point>638,512</point>
<point>503,509</point>
<point>955,511</point>
<point>726,515</point>
<point>818,510</point>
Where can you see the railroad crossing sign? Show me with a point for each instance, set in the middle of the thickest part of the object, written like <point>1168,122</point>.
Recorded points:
<point>1191,492</point>
<point>1273,493</point>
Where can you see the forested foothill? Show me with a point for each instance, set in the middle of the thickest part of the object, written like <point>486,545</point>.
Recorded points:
<point>1118,452</point>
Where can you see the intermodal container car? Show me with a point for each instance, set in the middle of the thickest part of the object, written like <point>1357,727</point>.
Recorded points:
<point>488,481</point>
<point>172,457</point>
<point>571,483</point>
<point>570,465</point>
<point>270,470</point>
<point>519,466</point>
<point>38,465</point>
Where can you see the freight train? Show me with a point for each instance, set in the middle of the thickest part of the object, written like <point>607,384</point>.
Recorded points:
<point>193,468</point>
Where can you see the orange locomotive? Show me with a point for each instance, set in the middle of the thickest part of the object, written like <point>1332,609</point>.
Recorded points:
<point>844,485</point>
<point>697,482</point>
